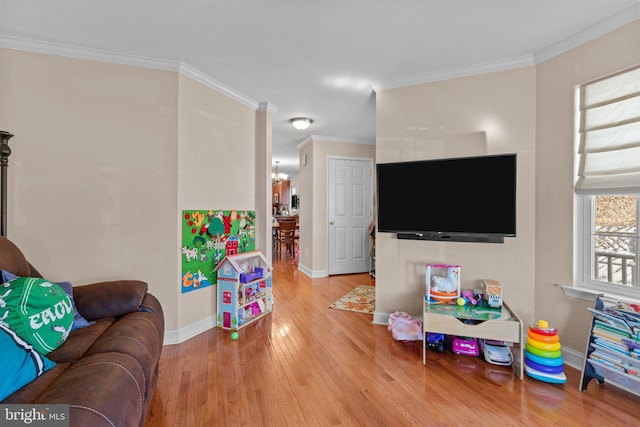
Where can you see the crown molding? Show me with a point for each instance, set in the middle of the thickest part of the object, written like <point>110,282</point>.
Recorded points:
<point>188,71</point>
<point>596,30</point>
<point>268,107</point>
<point>308,140</point>
<point>69,51</point>
<point>488,67</point>
<point>324,138</point>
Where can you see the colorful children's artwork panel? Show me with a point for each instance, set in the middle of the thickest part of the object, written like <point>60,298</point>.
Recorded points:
<point>207,237</point>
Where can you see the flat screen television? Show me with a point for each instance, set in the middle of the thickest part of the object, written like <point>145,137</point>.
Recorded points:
<point>469,199</point>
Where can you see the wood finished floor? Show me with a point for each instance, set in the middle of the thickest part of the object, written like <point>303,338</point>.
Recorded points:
<point>309,365</point>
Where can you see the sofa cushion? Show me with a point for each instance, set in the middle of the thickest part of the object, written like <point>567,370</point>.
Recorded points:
<point>20,362</point>
<point>104,389</point>
<point>109,299</point>
<point>39,311</point>
<point>136,334</point>
<point>78,320</point>
<point>80,341</point>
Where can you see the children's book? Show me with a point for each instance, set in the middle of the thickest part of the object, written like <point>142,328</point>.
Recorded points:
<point>612,329</point>
<point>600,332</point>
<point>611,320</point>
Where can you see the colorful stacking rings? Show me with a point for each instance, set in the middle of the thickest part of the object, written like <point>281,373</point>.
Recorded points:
<point>543,353</point>
<point>537,336</point>
<point>556,361</point>
<point>544,368</point>
<point>543,345</point>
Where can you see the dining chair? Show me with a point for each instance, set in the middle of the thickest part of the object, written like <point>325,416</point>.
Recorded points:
<point>286,236</point>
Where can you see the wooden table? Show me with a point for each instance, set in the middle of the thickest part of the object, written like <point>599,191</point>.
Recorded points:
<point>500,325</point>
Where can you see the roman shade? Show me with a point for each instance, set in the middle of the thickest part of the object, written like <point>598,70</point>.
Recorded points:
<point>609,135</point>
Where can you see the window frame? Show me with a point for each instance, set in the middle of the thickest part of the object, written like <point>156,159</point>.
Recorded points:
<point>584,196</point>
<point>585,259</point>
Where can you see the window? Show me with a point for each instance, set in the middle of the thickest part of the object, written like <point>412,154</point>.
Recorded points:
<point>608,183</point>
<point>611,242</point>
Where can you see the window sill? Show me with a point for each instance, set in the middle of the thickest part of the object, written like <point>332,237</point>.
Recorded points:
<point>590,294</point>
<point>580,293</point>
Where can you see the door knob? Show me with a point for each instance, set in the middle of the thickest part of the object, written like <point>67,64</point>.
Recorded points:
<point>332,222</point>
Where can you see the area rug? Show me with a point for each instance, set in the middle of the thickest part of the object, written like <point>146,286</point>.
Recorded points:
<point>361,300</point>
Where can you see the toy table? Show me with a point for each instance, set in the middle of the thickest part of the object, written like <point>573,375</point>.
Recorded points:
<point>495,324</point>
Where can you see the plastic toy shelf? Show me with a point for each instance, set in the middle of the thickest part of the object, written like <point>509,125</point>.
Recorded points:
<point>495,324</point>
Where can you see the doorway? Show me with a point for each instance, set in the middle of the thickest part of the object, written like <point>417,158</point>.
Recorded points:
<point>349,213</point>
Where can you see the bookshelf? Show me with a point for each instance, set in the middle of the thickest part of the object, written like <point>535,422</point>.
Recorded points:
<point>613,347</point>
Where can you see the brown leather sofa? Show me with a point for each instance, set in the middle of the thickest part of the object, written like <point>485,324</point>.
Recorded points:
<point>105,372</point>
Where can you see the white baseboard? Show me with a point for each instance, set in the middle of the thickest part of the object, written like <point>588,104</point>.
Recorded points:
<point>380,318</point>
<point>572,358</point>
<point>189,331</point>
<point>313,274</point>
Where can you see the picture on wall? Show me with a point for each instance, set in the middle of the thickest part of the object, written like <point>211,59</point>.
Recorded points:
<point>207,237</point>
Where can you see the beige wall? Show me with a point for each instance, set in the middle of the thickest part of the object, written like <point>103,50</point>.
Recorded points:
<point>528,111</point>
<point>312,183</point>
<point>105,158</point>
<point>216,158</point>
<point>486,114</point>
<point>92,177</point>
<point>556,82</point>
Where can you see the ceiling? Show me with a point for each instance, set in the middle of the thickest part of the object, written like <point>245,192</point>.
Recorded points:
<point>320,59</point>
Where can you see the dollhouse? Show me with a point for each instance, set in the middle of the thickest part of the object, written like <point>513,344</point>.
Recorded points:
<point>244,289</point>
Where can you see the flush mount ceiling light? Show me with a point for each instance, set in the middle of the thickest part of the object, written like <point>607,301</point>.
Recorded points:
<point>301,123</point>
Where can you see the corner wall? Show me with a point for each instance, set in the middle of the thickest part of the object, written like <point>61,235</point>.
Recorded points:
<point>557,80</point>
<point>486,114</point>
<point>104,159</point>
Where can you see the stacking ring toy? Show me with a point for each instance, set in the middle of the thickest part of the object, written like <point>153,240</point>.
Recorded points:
<point>558,361</point>
<point>542,337</point>
<point>542,327</point>
<point>543,368</point>
<point>542,356</point>
<point>543,353</point>
<point>543,345</point>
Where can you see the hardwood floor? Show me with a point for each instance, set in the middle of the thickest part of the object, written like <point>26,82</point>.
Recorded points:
<point>309,365</point>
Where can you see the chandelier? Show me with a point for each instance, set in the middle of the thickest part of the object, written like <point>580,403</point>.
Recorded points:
<point>277,176</point>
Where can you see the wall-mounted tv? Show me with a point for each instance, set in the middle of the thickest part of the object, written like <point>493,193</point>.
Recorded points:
<point>469,199</point>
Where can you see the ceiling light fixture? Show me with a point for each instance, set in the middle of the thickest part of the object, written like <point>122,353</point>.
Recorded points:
<point>277,176</point>
<point>301,123</point>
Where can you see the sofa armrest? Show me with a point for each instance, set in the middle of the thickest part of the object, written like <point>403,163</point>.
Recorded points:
<point>109,299</point>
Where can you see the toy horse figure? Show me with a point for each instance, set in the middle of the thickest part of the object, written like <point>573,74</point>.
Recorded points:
<point>448,283</point>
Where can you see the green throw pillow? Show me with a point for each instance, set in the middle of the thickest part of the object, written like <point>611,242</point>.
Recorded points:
<point>40,312</point>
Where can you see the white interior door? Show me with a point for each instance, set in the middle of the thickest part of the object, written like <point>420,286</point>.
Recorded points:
<point>350,205</point>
